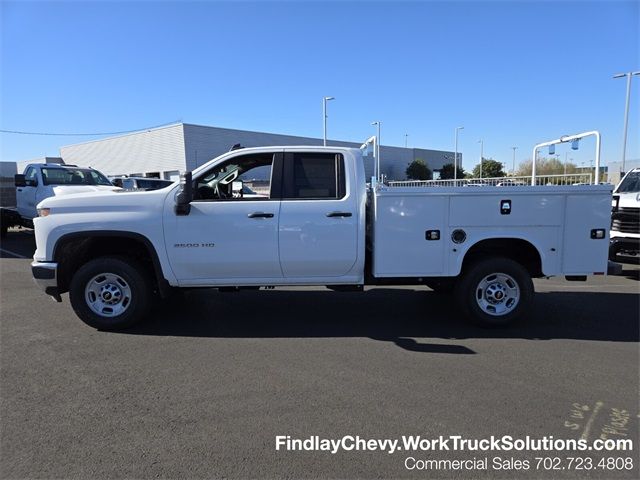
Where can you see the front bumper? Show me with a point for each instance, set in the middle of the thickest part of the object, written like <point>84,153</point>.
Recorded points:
<point>629,245</point>
<point>45,275</point>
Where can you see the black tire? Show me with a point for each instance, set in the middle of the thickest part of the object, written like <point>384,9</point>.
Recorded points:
<point>494,292</point>
<point>119,273</point>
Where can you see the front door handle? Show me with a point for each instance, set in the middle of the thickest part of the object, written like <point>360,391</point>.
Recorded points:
<point>339,214</point>
<point>260,215</point>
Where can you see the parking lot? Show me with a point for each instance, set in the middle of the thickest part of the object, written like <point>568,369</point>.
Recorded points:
<point>203,387</point>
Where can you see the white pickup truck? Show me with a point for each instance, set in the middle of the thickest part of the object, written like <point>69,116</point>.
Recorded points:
<point>318,223</point>
<point>625,219</point>
<point>44,180</point>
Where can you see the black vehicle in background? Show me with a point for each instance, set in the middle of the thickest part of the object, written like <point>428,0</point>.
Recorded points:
<point>140,183</point>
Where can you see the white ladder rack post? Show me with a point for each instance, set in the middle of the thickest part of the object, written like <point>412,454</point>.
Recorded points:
<point>376,160</point>
<point>565,139</point>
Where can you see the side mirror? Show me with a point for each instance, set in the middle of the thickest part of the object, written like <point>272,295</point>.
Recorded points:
<point>185,195</point>
<point>236,188</point>
<point>20,180</point>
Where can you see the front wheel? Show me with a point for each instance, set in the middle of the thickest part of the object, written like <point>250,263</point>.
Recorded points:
<point>495,291</point>
<point>110,293</point>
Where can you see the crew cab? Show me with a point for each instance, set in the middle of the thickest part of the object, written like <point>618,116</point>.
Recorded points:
<point>44,180</point>
<point>319,223</point>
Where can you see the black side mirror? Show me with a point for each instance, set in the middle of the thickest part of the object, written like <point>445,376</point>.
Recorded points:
<point>20,180</point>
<point>615,204</point>
<point>185,195</point>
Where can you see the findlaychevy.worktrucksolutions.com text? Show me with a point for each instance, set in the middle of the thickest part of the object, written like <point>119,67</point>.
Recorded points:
<point>504,443</point>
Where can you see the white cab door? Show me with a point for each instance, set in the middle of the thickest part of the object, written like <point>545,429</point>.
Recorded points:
<point>26,196</point>
<point>226,239</point>
<point>318,229</point>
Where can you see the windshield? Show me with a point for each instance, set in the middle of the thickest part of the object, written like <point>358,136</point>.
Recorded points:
<point>630,183</point>
<point>75,176</point>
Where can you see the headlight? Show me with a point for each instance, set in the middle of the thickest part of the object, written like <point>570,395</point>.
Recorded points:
<point>44,212</point>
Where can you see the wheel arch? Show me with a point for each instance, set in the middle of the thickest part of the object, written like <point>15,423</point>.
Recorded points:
<point>72,250</point>
<point>518,249</point>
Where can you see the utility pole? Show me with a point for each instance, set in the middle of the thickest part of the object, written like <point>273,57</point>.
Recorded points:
<point>626,114</point>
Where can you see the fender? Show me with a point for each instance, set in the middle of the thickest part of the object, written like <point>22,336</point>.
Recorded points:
<point>458,261</point>
<point>163,283</point>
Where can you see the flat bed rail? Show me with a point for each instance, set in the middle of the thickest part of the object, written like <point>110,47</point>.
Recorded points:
<point>559,180</point>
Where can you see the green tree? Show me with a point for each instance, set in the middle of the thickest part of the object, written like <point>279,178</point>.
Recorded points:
<point>447,172</point>
<point>418,170</point>
<point>490,169</point>
<point>546,166</point>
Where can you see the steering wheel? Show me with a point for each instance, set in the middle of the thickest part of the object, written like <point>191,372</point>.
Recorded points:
<point>229,178</point>
<point>219,193</point>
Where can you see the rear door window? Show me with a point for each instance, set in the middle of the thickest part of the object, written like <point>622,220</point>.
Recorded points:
<point>314,176</point>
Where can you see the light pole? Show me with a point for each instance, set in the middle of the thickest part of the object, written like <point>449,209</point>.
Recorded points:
<point>513,172</point>
<point>626,114</point>
<point>406,140</point>
<point>455,159</point>
<point>481,142</point>
<point>566,154</point>
<point>378,123</point>
<point>324,118</point>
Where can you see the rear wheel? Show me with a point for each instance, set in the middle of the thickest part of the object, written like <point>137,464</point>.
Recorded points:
<point>111,293</point>
<point>495,291</point>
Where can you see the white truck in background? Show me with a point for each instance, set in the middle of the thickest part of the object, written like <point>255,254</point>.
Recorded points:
<point>625,219</point>
<point>117,253</point>
<point>44,180</point>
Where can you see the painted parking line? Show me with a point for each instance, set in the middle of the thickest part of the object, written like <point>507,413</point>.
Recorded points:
<point>587,287</point>
<point>8,252</point>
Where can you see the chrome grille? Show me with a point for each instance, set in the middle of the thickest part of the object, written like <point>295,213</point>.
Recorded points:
<point>626,220</point>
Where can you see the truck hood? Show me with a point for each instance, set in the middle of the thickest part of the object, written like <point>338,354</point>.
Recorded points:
<point>74,189</point>
<point>101,199</point>
<point>628,199</point>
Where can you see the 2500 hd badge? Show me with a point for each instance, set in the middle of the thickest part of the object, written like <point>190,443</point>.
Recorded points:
<point>193,245</point>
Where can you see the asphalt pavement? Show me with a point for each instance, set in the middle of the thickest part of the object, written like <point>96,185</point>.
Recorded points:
<point>202,389</point>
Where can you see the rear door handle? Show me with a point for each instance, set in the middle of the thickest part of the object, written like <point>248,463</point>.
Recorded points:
<point>260,215</point>
<point>339,214</point>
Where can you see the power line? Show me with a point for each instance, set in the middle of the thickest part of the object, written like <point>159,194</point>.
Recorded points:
<point>18,132</point>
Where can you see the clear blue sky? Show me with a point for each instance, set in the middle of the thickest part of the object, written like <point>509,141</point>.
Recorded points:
<point>512,73</point>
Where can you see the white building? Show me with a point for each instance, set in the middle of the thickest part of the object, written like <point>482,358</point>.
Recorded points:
<point>165,151</point>
<point>615,169</point>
